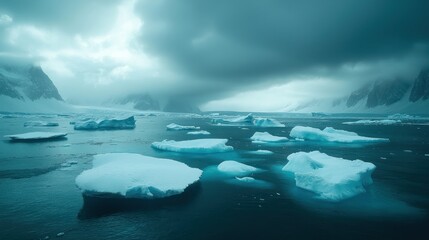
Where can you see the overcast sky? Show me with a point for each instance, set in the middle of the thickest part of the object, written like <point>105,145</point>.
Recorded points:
<point>224,55</point>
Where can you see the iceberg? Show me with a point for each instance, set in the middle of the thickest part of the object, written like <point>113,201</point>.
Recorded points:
<point>262,152</point>
<point>202,132</point>
<point>235,168</point>
<point>374,122</point>
<point>36,136</point>
<point>136,176</point>
<point>245,179</point>
<point>173,126</point>
<point>267,122</point>
<point>331,178</point>
<point>399,116</point>
<point>330,134</point>
<point>208,145</point>
<point>265,137</point>
<point>40,124</point>
<point>106,124</point>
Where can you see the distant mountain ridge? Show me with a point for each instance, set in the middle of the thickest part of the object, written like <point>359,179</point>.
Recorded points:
<point>27,82</point>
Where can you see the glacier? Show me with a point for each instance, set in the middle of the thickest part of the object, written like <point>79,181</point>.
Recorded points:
<point>331,178</point>
<point>136,176</point>
<point>106,124</point>
<point>173,126</point>
<point>36,136</point>
<point>208,145</point>
<point>330,134</point>
<point>265,137</point>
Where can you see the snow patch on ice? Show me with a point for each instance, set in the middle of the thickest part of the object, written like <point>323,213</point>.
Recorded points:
<point>330,134</point>
<point>173,126</point>
<point>331,178</point>
<point>136,176</point>
<point>208,145</point>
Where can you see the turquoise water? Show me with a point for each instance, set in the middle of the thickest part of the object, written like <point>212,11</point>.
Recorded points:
<point>39,198</point>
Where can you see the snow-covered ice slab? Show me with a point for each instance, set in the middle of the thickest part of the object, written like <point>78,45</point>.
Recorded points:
<point>40,124</point>
<point>36,136</point>
<point>248,120</point>
<point>265,137</point>
<point>106,124</point>
<point>173,126</point>
<point>330,134</point>
<point>202,132</point>
<point>374,122</point>
<point>267,122</point>
<point>208,145</point>
<point>136,176</point>
<point>262,152</point>
<point>236,168</point>
<point>331,178</point>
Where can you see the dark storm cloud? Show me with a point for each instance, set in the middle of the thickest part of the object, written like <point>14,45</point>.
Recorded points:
<point>246,41</point>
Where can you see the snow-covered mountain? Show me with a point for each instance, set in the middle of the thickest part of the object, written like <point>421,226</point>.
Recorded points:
<point>389,96</point>
<point>26,88</point>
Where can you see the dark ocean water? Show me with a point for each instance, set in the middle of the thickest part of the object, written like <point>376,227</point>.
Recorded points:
<point>39,198</point>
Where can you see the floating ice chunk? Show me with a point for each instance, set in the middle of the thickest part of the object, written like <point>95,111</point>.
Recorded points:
<point>400,116</point>
<point>36,136</point>
<point>235,168</point>
<point>374,122</point>
<point>262,152</point>
<point>245,179</point>
<point>136,176</point>
<point>331,135</point>
<point>208,145</point>
<point>329,177</point>
<point>40,124</point>
<point>106,124</point>
<point>427,155</point>
<point>173,126</point>
<point>242,119</point>
<point>267,122</point>
<point>265,137</point>
<point>202,132</point>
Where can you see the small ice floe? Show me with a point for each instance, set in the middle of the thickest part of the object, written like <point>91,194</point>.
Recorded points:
<point>265,137</point>
<point>68,164</point>
<point>208,145</point>
<point>36,136</point>
<point>374,122</point>
<point>60,234</point>
<point>261,152</point>
<point>408,151</point>
<point>331,178</point>
<point>202,132</point>
<point>136,176</point>
<point>236,168</point>
<point>40,124</point>
<point>177,127</point>
<point>106,124</point>
<point>330,134</point>
<point>427,155</point>
<point>383,158</point>
<point>245,179</point>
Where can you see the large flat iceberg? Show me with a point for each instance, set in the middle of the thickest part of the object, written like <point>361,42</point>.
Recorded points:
<point>374,122</point>
<point>265,137</point>
<point>208,145</point>
<point>106,124</point>
<point>329,177</point>
<point>248,120</point>
<point>136,176</point>
<point>235,168</point>
<point>331,135</point>
<point>173,126</point>
<point>36,136</point>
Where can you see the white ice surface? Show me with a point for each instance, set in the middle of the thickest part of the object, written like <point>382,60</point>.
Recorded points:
<point>265,137</point>
<point>331,178</point>
<point>173,126</point>
<point>208,145</point>
<point>36,135</point>
<point>331,135</point>
<point>136,176</point>
<point>236,168</point>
